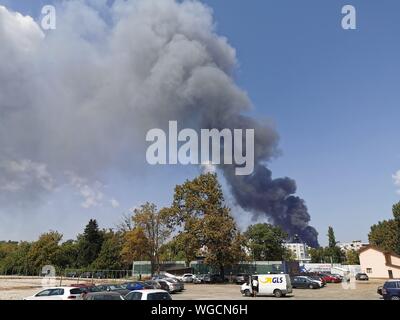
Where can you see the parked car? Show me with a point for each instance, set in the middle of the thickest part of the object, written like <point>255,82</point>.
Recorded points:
<point>159,277</point>
<point>72,274</point>
<point>362,276</point>
<point>137,285</point>
<point>153,284</point>
<point>199,278</point>
<point>278,285</point>
<point>102,295</point>
<point>154,295</point>
<point>168,285</point>
<point>339,276</point>
<point>86,275</point>
<point>242,278</point>
<point>187,278</point>
<point>180,285</point>
<point>303,282</point>
<point>314,276</point>
<point>319,280</point>
<point>99,275</point>
<point>57,293</point>
<point>213,278</point>
<point>113,288</point>
<point>329,278</point>
<point>391,290</point>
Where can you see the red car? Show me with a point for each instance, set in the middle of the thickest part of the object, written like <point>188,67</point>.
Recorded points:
<point>330,278</point>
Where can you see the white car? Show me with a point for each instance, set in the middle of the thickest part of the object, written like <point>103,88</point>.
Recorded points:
<point>57,293</point>
<point>187,277</point>
<point>153,294</point>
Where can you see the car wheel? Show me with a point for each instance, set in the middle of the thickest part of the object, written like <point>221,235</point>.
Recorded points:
<point>277,293</point>
<point>247,293</point>
<point>395,298</point>
<point>311,286</point>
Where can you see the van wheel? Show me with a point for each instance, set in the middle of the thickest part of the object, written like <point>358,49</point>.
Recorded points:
<point>395,298</point>
<point>247,293</point>
<point>278,293</point>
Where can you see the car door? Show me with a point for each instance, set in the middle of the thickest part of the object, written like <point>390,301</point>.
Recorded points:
<point>303,283</point>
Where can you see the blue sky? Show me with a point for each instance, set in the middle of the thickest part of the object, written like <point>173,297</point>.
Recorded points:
<point>332,94</point>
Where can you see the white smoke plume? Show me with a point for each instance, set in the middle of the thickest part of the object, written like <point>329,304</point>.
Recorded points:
<point>81,98</point>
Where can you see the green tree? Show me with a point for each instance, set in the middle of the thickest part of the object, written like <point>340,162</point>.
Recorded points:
<point>67,254</point>
<point>89,244</point>
<point>110,254</point>
<point>317,255</point>
<point>15,260</point>
<point>172,250</point>
<point>224,244</point>
<point>154,225</point>
<point>135,246</point>
<point>265,242</point>
<point>396,215</point>
<point>44,251</point>
<point>331,238</point>
<point>203,221</point>
<point>352,257</point>
<point>384,235</point>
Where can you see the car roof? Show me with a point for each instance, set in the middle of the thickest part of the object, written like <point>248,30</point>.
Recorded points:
<point>101,293</point>
<point>66,288</point>
<point>150,291</point>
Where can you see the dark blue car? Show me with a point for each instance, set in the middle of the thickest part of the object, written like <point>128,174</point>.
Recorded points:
<point>137,285</point>
<point>391,290</point>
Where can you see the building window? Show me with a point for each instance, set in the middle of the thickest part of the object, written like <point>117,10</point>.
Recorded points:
<point>369,270</point>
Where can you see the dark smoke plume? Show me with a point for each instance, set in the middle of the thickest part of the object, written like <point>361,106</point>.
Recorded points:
<point>259,193</point>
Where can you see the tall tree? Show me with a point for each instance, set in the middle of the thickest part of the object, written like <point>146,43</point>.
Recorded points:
<point>202,219</point>
<point>265,242</point>
<point>396,215</point>
<point>224,244</point>
<point>67,255</point>
<point>135,246</point>
<point>154,225</point>
<point>89,243</point>
<point>331,238</point>
<point>333,252</point>
<point>44,250</point>
<point>384,235</point>
<point>109,257</point>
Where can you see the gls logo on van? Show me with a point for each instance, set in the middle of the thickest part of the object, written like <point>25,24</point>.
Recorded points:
<point>272,280</point>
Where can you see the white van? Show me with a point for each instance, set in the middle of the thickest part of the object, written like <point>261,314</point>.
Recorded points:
<point>277,285</point>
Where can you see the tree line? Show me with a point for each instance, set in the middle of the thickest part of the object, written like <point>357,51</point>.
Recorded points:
<point>197,224</point>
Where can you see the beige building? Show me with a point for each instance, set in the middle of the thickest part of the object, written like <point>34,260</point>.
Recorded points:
<point>377,263</point>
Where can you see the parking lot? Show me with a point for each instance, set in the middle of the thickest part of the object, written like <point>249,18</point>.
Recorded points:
<point>18,288</point>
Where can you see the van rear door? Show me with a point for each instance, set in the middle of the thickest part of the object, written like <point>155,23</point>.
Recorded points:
<point>289,288</point>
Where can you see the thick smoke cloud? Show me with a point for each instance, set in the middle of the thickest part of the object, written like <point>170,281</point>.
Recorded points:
<point>78,101</point>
